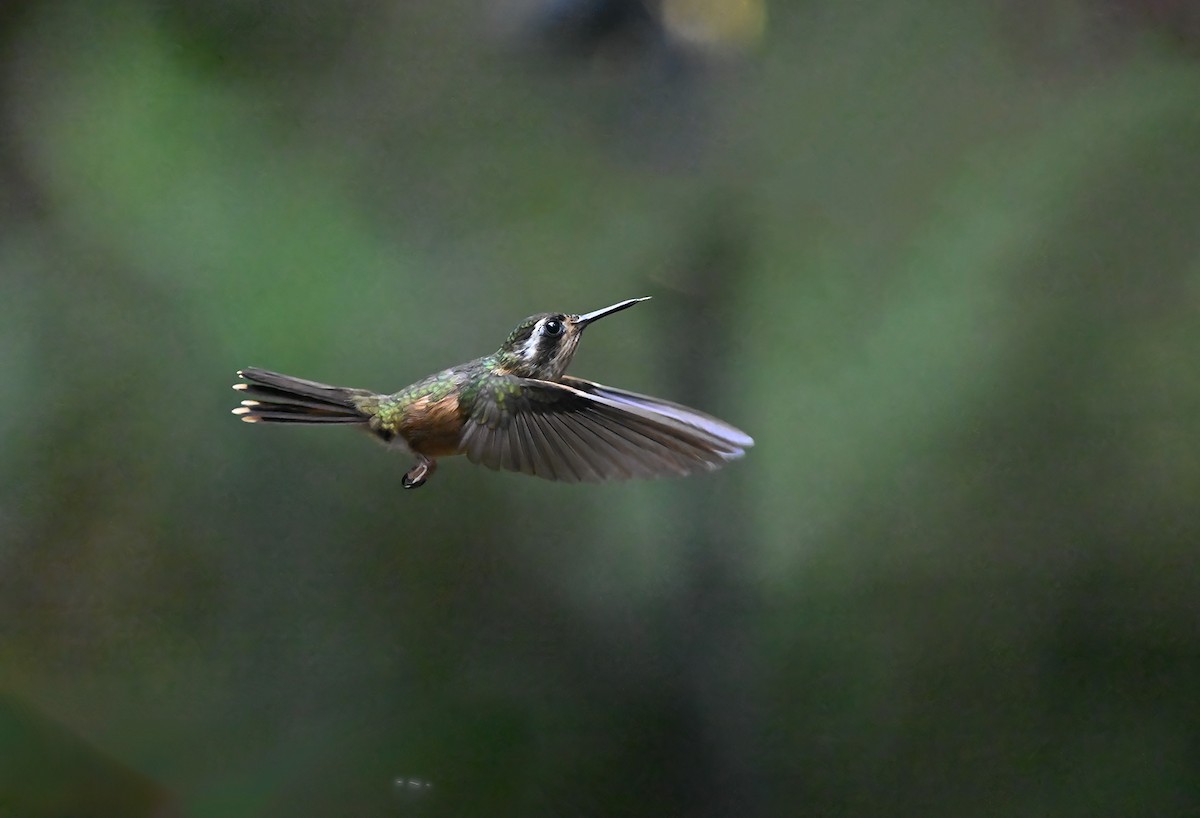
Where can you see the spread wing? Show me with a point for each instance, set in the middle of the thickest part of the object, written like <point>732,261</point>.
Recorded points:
<point>581,431</point>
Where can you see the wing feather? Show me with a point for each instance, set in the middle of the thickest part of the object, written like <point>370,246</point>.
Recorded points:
<point>581,431</point>
<point>540,452</point>
<point>655,450</point>
<point>641,459</point>
<point>555,452</point>
<point>616,460</point>
<point>581,458</point>
<point>710,425</point>
<point>504,449</point>
<point>637,433</point>
<point>523,445</point>
<point>479,444</point>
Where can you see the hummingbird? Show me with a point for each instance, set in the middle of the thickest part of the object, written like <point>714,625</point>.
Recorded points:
<point>515,410</point>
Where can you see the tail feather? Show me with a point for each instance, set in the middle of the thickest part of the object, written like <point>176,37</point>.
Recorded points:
<point>270,394</point>
<point>276,398</point>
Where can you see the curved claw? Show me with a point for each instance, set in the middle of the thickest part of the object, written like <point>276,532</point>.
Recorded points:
<point>415,477</point>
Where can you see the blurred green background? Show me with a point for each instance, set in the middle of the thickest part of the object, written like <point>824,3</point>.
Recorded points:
<point>940,258</point>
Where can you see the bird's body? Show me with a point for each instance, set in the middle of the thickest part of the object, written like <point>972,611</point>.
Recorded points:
<point>516,410</point>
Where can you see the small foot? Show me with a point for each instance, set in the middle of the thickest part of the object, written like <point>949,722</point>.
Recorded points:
<point>415,477</point>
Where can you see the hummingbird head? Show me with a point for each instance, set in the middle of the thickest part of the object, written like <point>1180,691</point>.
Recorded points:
<point>542,345</point>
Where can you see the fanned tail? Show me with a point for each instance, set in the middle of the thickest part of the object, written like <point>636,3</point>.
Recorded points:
<point>275,398</point>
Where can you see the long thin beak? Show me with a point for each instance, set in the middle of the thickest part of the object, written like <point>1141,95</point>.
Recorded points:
<point>584,320</point>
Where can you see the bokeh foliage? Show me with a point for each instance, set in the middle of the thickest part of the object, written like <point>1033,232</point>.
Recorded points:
<point>941,259</point>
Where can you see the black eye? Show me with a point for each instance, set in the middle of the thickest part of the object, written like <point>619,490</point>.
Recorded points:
<point>553,327</point>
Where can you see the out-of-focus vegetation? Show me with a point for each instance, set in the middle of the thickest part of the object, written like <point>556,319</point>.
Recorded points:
<point>941,258</point>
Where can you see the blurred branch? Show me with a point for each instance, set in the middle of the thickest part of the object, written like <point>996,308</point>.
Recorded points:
<point>47,771</point>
